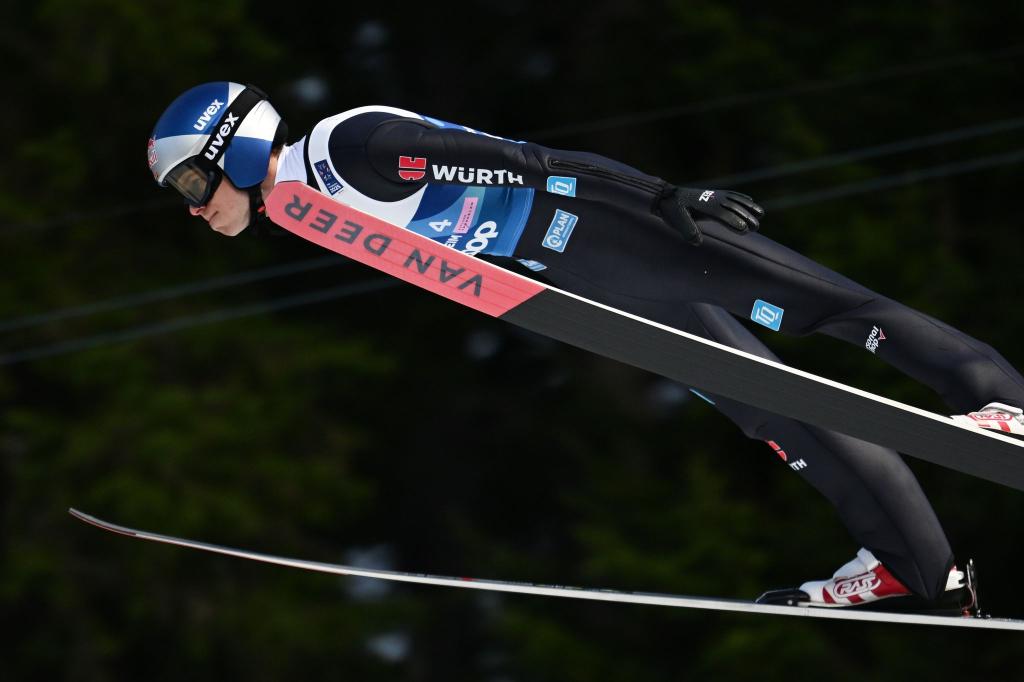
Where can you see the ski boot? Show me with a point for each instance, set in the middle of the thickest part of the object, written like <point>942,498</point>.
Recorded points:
<point>997,417</point>
<point>863,582</point>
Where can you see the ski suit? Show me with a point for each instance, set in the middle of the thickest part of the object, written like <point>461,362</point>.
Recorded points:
<point>590,225</point>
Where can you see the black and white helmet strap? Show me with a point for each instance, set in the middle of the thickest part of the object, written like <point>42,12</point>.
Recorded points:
<point>229,124</point>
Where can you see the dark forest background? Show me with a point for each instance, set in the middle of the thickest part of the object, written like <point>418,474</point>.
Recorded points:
<point>387,427</point>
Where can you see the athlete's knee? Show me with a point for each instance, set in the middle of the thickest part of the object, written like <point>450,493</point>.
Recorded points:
<point>752,421</point>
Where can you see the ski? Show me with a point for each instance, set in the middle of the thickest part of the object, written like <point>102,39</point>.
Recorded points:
<point>651,599</point>
<point>688,359</point>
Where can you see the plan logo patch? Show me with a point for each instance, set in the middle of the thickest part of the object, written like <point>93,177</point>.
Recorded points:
<point>767,315</point>
<point>558,184</point>
<point>323,169</point>
<point>412,167</point>
<point>559,231</point>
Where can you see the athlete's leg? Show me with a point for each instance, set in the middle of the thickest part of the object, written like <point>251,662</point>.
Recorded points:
<point>875,493</point>
<point>964,371</point>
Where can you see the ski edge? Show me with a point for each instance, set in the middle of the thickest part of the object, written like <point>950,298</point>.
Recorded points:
<point>650,599</point>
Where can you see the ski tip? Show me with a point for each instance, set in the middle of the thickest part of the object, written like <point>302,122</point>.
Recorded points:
<point>99,523</point>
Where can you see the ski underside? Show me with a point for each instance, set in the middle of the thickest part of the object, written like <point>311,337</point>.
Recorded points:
<point>676,601</point>
<point>688,359</point>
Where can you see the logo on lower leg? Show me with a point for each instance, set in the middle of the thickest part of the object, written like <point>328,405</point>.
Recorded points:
<point>874,338</point>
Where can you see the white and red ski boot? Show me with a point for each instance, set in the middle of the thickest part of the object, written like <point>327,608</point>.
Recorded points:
<point>995,416</point>
<point>863,580</point>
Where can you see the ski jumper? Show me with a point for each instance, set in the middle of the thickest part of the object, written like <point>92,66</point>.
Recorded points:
<point>591,225</point>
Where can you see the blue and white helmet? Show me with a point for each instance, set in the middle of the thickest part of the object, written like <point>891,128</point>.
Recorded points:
<point>233,126</point>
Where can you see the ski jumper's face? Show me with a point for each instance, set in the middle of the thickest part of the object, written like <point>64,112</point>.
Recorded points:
<point>227,211</point>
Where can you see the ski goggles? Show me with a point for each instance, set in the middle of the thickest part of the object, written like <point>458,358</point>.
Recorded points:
<point>198,177</point>
<point>195,181</point>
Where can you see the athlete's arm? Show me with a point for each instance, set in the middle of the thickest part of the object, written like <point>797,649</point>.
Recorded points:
<point>409,151</point>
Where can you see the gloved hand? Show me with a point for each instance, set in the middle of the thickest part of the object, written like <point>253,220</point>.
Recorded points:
<point>682,206</point>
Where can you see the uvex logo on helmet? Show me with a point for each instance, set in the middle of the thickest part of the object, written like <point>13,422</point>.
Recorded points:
<point>217,141</point>
<point>207,115</point>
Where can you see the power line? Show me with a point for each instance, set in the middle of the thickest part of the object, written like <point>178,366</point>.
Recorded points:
<point>777,204</point>
<point>780,203</point>
<point>177,324</point>
<point>898,180</point>
<point>806,87</point>
<point>789,201</point>
<point>863,153</point>
<point>98,215</point>
<point>734,180</point>
<point>167,293</point>
<point>624,120</point>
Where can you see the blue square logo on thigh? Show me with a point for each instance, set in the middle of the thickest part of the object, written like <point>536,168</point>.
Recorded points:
<point>558,184</point>
<point>559,231</point>
<point>767,315</point>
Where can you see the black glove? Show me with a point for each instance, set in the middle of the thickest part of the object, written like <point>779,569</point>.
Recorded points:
<point>682,206</point>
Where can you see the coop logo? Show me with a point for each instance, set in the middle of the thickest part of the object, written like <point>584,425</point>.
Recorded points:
<point>856,585</point>
<point>481,238</point>
<point>207,116</point>
<point>767,315</point>
<point>559,231</point>
<point>558,184</point>
<point>874,338</point>
<point>412,167</point>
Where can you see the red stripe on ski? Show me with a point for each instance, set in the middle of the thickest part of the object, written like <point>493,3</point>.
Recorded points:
<point>302,210</point>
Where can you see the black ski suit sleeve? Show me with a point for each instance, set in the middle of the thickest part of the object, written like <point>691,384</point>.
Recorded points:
<point>521,164</point>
